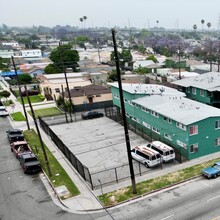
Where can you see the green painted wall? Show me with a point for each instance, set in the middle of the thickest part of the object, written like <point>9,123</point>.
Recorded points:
<point>206,129</point>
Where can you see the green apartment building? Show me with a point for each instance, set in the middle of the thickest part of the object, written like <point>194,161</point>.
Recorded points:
<point>204,88</point>
<point>191,127</point>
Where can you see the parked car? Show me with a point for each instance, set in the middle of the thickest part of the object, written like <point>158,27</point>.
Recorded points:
<point>213,171</point>
<point>3,111</point>
<point>91,114</point>
<point>163,149</point>
<point>30,163</point>
<point>146,156</point>
<point>15,135</point>
<point>19,148</point>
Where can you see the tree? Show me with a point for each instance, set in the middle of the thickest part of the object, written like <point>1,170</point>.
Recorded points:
<point>195,27</point>
<point>157,21</point>
<point>5,94</point>
<point>209,25</point>
<point>64,57</point>
<point>153,58</point>
<point>24,78</point>
<point>81,40</point>
<point>113,76</point>
<point>125,57</point>
<point>202,21</point>
<point>51,69</point>
<point>81,20</point>
<point>84,18</point>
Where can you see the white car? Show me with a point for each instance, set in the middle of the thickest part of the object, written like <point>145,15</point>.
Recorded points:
<point>3,111</point>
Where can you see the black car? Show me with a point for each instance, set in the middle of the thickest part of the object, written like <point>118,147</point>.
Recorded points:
<point>30,163</point>
<point>91,114</point>
<point>15,135</point>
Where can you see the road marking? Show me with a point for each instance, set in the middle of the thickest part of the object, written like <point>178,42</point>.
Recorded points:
<point>213,198</point>
<point>168,217</point>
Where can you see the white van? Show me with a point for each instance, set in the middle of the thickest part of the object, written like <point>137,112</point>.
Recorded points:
<point>3,111</point>
<point>147,156</point>
<point>165,151</point>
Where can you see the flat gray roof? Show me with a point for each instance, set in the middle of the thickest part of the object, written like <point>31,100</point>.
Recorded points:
<point>178,108</point>
<point>148,89</point>
<point>208,81</point>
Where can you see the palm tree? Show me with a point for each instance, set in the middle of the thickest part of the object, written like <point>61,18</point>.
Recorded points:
<point>202,21</point>
<point>157,23</point>
<point>81,20</point>
<point>209,25</point>
<point>84,18</point>
<point>195,27</point>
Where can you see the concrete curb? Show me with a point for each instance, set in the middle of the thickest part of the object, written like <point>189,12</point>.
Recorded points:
<point>154,191</point>
<point>60,200</point>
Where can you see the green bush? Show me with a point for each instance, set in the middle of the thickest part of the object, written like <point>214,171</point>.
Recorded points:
<point>41,97</point>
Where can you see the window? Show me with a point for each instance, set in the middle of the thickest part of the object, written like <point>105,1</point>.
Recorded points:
<point>116,96</point>
<point>167,119</point>
<point>143,155</point>
<point>131,103</point>
<point>136,105</point>
<point>57,90</point>
<point>134,119</point>
<point>146,125</point>
<point>194,91</point>
<point>202,92</point>
<point>179,125</point>
<point>169,137</point>
<point>145,109</point>
<point>155,114</point>
<point>156,130</point>
<point>193,130</point>
<point>188,89</point>
<point>217,124</point>
<point>180,143</point>
<point>194,148</point>
<point>217,142</point>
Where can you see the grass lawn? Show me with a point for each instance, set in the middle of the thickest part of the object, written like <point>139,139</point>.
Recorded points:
<point>59,175</point>
<point>18,116</point>
<point>46,112</point>
<point>148,186</point>
<point>33,99</point>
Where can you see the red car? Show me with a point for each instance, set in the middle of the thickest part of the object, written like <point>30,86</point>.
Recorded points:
<point>19,148</point>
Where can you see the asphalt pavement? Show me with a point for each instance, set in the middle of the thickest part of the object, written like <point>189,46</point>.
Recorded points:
<point>87,200</point>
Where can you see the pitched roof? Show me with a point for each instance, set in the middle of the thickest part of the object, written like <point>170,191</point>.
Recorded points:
<point>88,90</point>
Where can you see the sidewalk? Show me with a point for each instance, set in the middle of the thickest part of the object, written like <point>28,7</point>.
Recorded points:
<point>87,199</point>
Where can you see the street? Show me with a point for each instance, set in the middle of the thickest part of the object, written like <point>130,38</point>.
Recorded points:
<point>24,197</point>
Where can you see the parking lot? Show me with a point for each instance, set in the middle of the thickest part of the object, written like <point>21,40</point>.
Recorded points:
<point>99,144</point>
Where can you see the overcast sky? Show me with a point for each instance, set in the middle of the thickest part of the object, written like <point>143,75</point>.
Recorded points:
<point>131,13</point>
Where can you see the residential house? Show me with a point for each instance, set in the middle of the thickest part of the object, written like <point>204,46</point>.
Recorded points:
<point>163,113</point>
<point>204,88</point>
<point>51,84</point>
<point>90,97</point>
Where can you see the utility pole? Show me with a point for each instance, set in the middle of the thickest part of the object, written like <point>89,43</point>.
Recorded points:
<point>124,115</point>
<point>210,56</point>
<point>39,134</point>
<point>178,51</point>
<point>20,93</point>
<point>64,104</point>
<point>67,86</point>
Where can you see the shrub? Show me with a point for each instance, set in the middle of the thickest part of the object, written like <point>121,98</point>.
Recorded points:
<point>41,97</point>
